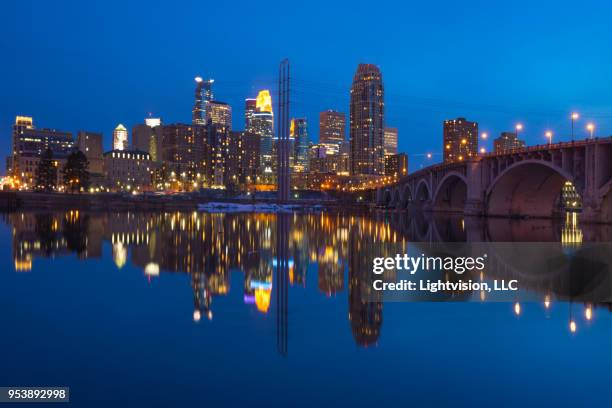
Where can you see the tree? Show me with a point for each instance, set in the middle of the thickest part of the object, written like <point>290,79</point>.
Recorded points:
<point>46,173</point>
<point>76,175</point>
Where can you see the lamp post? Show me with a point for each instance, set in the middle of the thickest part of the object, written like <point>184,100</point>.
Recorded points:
<point>591,127</point>
<point>575,117</point>
<point>518,128</point>
<point>549,136</point>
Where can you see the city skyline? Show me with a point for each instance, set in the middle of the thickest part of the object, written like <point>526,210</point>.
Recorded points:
<point>421,91</point>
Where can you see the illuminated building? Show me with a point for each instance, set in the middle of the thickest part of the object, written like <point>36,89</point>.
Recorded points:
<point>219,126</point>
<point>367,121</point>
<point>184,150</point>
<point>28,145</point>
<point>219,114</point>
<point>250,156</point>
<point>203,95</point>
<point>507,141</point>
<point>147,137</point>
<point>90,144</point>
<point>332,127</point>
<point>250,107</point>
<point>127,170</point>
<point>396,165</point>
<point>262,124</point>
<point>120,138</point>
<point>390,141</point>
<point>299,134</point>
<point>460,140</point>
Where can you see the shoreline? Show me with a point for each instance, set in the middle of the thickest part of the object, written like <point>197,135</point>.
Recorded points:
<point>25,200</point>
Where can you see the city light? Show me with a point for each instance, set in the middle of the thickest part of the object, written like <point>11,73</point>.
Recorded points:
<point>549,136</point>
<point>591,128</point>
<point>484,135</point>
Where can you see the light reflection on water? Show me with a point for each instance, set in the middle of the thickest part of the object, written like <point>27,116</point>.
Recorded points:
<point>275,264</point>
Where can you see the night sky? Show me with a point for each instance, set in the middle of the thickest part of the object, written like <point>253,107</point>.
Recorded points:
<point>80,65</point>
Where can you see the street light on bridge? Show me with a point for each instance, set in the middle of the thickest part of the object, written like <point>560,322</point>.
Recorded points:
<point>549,136</point>
<point>518,127</point>
<point>591,128</point>
<point>575,117</point>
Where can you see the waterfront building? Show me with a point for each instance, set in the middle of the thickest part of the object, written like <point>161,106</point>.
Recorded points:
<point>127,170</point>
<point>396,165</point>
<point>390,141</point>
<point>120,138</point>
<point>367,121</point>
<point>184,151</point>
<point>507,141</point>
<point>250,157</point>
<point>90,143</point>
<point>460,138</point>
<point>28,145</point>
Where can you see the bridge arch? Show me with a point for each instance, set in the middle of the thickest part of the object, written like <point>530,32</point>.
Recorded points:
<point>451,193</point>
<point>397,198</point>
<point>387,197</point>
<point>528,187</point>
<point>423,192</point>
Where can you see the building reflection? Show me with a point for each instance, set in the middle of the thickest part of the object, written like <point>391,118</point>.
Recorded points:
<point>273,253</point>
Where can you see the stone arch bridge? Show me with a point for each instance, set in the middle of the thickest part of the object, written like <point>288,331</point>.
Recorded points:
<point>518,183</point>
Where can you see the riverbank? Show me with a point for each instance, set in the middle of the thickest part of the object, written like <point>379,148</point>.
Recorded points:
<point>23,200</point>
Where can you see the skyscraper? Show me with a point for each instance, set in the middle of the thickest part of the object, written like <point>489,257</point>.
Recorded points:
<point>262,124</point>
<point>120,138</point>
<point>367,121</point>
<point>460,140</point>
<point>390,141</point>
<point>299,135</point>
<point>250,107</point>
<point>332,127</point>
<point>203,95</point>
<point>219,114</point>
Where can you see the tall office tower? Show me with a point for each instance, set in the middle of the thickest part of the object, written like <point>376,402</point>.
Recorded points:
<point>390,141</point>
<point>507,141</point>
<point>332,127</point>
<point>301,145</point>
<point>367,119</point>
<point>219,114</point>
<point>262,124</point>
<point>250,107</point>
<point>90,144</point>
<point>120,138</point>
<point>203,95</point>
<point>460,140</point>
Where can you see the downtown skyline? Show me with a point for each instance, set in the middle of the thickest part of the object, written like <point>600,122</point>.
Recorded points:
<point>523,76</point>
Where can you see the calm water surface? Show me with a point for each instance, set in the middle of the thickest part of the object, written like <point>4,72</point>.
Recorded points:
<point>188,309</point>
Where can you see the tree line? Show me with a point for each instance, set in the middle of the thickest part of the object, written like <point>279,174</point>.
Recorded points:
<point>75,173</point>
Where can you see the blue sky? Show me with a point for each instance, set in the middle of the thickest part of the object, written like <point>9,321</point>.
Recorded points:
<point>85,65</point>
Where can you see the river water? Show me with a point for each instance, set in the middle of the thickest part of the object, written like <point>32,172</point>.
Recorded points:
<point>186,309</point>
